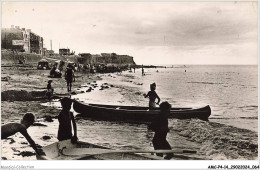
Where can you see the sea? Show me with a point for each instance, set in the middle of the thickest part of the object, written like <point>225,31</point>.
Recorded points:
<point>231,91</point>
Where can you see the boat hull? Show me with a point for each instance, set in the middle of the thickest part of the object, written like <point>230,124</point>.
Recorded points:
<point>135,113</point>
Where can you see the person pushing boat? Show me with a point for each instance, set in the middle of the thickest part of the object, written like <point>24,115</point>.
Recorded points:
<point>65,118</point>
<point>152,96</point>
<point>160,126</point>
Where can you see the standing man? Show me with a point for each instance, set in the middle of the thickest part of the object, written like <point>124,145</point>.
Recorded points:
<point>160,127</point>
<point>69,76</point>
<point>142,70</point>
<point>50,90</point>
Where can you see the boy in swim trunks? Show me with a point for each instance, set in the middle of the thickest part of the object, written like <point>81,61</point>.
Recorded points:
<point>160,126</point>
<point>65,118</point>
<point>152,96</point>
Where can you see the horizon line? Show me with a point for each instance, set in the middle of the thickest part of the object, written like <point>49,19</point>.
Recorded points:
<point>199,64</point>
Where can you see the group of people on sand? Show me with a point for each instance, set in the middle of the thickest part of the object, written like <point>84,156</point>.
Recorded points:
<point>55,71</point>
<point>66,121</point>
<point>69,77</point>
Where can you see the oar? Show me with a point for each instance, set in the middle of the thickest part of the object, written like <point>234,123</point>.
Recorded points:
<point>97,151</point>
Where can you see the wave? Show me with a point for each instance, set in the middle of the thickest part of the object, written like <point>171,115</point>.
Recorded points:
<point>228,118</point>
<point>248,117</point>
<point>249,106</point>
<point>204,82</point>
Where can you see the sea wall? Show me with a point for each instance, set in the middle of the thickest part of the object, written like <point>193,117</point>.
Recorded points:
<point>22,95</point>
<point>106,58</point>
<point>10,58</point>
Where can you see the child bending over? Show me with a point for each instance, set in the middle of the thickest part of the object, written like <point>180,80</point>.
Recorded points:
<point>12,128</point>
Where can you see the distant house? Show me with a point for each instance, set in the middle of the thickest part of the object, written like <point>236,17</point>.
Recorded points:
<point>23,40</point>
<point>49,52</point>
<point>85,58</point>
<point>64,51</point>
<point>36,43</point>
<point>44,51</point>
<point>12,38</point>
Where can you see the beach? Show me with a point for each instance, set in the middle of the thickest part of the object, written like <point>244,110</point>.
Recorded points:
<point>230,134</point>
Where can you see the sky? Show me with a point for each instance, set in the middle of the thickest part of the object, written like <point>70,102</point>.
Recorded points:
<point>151,32</point>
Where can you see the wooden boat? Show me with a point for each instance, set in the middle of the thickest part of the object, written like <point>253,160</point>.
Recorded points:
<point>65,150</point>
<point>136,113</point>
